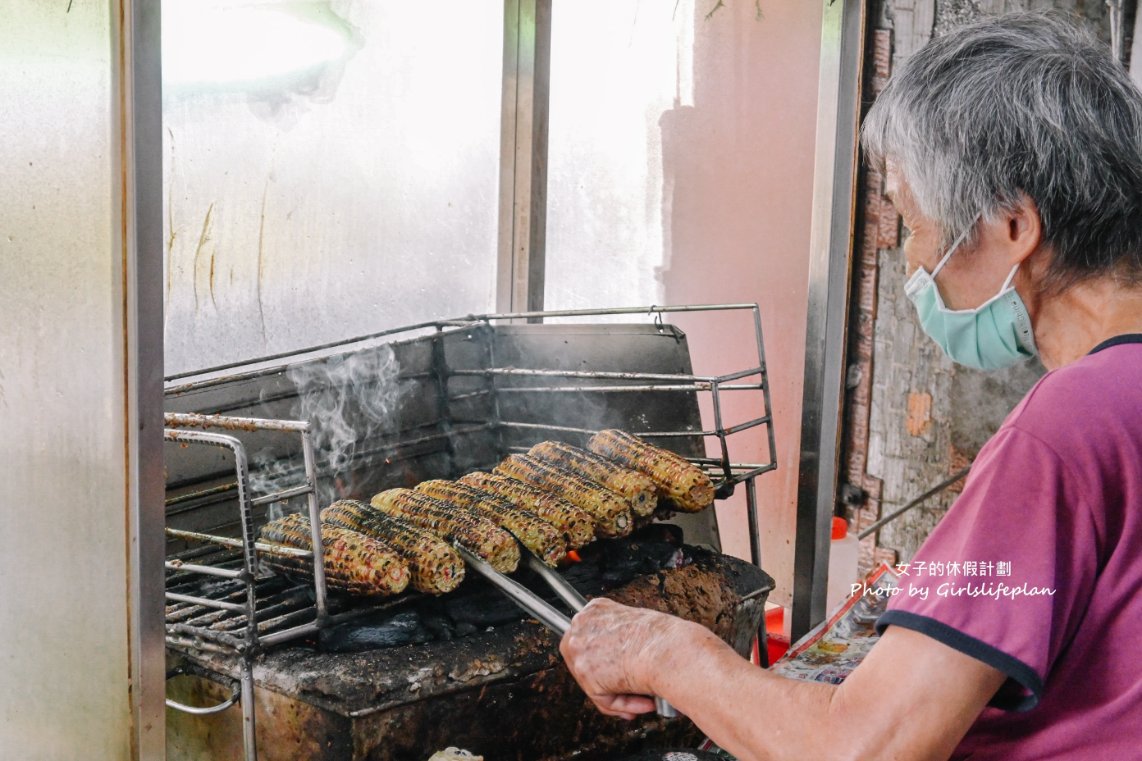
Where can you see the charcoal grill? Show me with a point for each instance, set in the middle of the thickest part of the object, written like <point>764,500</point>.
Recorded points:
<point>292,432</point>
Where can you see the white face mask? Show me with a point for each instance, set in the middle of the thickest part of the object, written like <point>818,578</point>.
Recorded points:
<point>995,334</point>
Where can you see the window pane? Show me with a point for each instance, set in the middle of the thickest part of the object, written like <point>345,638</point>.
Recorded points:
<point>328,173</point>
<point>617,67</point>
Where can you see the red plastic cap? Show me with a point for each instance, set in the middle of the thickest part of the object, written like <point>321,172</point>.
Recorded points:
<point>840,528</point>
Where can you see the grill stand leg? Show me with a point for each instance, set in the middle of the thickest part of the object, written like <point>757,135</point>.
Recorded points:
<point>248,734</point>
<point>755,558</point>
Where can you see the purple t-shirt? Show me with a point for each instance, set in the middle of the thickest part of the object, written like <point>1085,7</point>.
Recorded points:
<point>1036,569</point>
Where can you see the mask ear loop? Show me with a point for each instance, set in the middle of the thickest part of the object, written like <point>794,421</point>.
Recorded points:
<point>952,248</point>
<point>1010,278</point>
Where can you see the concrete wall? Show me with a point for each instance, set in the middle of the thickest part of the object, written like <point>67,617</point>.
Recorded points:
<point>739,228</point>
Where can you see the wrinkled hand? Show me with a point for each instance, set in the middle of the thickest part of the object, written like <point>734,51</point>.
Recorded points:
<point>612,651</point>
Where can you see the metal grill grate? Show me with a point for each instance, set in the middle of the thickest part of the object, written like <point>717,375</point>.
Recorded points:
<point>472,400</point>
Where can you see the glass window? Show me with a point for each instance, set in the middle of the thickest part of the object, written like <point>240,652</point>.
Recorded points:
<point>331,169</point>
<point>619,70</point>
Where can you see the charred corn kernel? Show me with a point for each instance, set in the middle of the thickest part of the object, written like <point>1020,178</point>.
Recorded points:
<point>536,534</point>
<point>678,480</point>
<point>611,512</point>
<point>637,488</point>
<point>456,524</point>
<point>354,563</point>
<point>435,565</point>
<point>577,525</point>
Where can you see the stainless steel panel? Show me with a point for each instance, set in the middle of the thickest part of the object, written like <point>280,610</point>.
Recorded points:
<point>140,96</point>
<point>834,198</point>
<point>65,359</point>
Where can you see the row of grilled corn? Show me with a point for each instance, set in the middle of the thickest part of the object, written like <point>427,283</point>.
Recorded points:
<point>366,552</point>
<point>553,499</point>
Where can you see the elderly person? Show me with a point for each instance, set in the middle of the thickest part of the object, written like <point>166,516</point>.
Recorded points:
<point>1013,151</point>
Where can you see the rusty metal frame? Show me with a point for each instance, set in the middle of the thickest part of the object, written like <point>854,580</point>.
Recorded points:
<point>192,429</point>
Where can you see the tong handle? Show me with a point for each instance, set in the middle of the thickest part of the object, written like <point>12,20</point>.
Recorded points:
<point>529,601</point>
<point>577,602</point>
<point>536,606</point>
<point>559,585</point>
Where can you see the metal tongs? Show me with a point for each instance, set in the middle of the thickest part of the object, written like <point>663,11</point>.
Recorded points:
<point>536,606</point>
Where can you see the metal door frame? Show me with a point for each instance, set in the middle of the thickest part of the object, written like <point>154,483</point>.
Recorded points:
<point>830,269</point>
<point>137,104</point>
<point>523,156</point>
<point>137,109</point>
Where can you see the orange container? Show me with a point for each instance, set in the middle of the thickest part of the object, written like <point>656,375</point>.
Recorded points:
<point>774,634</point>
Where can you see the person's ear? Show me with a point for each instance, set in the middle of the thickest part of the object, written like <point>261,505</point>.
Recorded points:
<point>1022,229</point>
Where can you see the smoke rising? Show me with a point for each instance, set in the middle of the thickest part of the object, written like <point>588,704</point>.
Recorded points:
<point>268,474</point>
<point>347,401</point>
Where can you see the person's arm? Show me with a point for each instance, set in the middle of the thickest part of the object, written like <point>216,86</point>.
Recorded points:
<point>911,698</point>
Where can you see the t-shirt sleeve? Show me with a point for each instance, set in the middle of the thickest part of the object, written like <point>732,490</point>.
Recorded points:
<point>1006,575</point>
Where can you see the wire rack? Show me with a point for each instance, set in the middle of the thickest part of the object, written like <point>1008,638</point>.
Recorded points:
<point>218,601</point>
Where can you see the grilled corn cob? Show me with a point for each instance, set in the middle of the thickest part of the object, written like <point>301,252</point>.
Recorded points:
<point>637,488</point>
<point>354,563</point>
<point>577,525</point>
<point>536,534</point>
<point>678,480</point>
<point>435,565</point>
<point>611,512</point>
<point>479,534</point>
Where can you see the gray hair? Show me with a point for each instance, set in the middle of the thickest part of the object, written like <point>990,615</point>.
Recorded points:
<point>1021,104</point>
